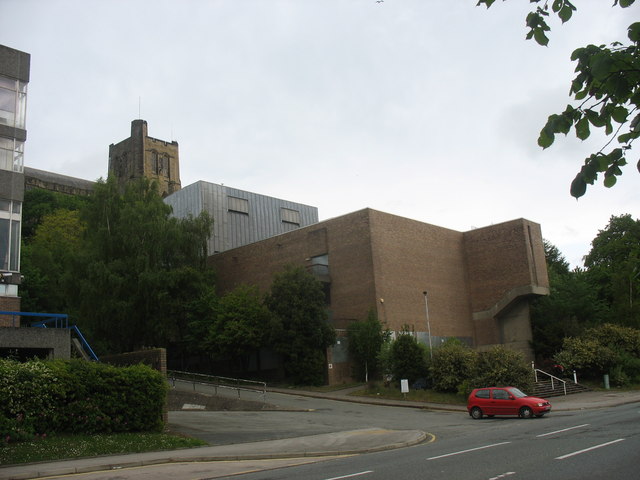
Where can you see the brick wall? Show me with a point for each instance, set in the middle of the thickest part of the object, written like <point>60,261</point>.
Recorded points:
<point>385,262</point>
<point>412,257</point>
<point>156,358</point>
<point>9,304</point>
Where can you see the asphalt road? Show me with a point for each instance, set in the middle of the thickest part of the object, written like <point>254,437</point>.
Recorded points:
<point>602,443</point>
<point>598,444</point>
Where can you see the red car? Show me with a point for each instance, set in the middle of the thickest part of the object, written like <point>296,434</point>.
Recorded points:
<point>492,401</point>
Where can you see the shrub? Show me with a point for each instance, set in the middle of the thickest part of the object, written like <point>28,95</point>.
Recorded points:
<point>79,396</point>
<point>408,358</point>
<point>453,363</point>
<point>502,367</point>
<point>587,355</point>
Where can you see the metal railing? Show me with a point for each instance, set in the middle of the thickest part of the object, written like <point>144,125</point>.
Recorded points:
<point>53,320</point>
<point>552,377</point>
<point>216,382</point>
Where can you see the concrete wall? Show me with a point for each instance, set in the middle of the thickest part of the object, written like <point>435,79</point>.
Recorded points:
<point>56,340</point>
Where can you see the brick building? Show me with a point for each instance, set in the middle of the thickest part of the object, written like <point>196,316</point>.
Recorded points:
<point>479,283</point>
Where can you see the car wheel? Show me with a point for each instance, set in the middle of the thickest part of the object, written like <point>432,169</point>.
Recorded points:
<point>526,412</point>
<point>476,413</point>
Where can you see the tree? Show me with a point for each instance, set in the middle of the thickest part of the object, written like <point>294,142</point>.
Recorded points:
<point>137,268</point>
<point>408,358</point>
<point>302,331</point>
<point>39,203</point>
<point>47,259</point>
<point>613,264</point>
<point>242,325</point>
<point>571,306</point>
<point>606,90</point>
<point>366,338</point>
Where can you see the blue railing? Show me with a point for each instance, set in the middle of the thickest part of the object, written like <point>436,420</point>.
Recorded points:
<point>55,320</point>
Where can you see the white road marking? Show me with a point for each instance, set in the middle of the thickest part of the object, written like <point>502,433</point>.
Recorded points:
<point>502,476</point>
<point>467,451</point>
<point>351,475</point>
<point>563,430</point>
<point>589,449</point>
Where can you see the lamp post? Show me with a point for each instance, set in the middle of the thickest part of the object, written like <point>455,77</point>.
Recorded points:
<point>426,307</point>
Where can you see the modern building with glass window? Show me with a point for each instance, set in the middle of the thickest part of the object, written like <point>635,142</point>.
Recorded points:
<point>14,77</point>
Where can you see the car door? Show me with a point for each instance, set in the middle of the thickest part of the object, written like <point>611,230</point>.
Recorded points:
<point>502,403</point>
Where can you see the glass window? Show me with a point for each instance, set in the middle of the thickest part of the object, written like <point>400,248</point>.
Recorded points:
<point>4,243</point>
<point>11,155</point>
<point>10,219</point>
<point>482,394</point>
<point>14,247</point>
<point>500,395</point>
<point>18,157</point>
<point>13,102</point>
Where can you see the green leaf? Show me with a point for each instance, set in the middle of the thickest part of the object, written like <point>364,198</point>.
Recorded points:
<point>620,114</point>
<point>634,32</point>
<point>546,138</point>
<point>540,37</point>
<point>566,12</point>
<point>602,162</point>
<point>488,3</point>
<point>615,155</point>
<point>601,65</point>
<point>610,181</point>
<point>582,129</point>
<point>594,118</point>
<point>578,187</point>
<point>626,3</point>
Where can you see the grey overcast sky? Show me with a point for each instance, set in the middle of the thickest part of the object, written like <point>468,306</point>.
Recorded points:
<point>428,109</point>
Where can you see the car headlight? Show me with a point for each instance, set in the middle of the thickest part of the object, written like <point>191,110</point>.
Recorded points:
<point>540,404</point>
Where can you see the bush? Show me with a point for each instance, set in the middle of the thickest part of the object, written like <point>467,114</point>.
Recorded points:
<point>604,349</point>
<point>408,358</point>
<point>501,367</point>
<point>79,396</point>
<point>453,363</point>
<point>587,355</point>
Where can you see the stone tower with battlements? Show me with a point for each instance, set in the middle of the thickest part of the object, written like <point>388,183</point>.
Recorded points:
<point>143,156</point>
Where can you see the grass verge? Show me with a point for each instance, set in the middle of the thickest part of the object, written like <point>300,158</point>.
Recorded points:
<point>428,396</point>
<point>61,447</point>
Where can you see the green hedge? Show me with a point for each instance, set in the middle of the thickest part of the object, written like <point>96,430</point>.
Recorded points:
<point>39,397</point>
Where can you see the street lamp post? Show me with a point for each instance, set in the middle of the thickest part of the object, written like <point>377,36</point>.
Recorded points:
<point>426,307</point>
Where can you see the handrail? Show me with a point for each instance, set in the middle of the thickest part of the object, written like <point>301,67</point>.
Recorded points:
<point>238,384</point>
<point>564,382</point>
<point>60,320</point>
<point>84,342</point>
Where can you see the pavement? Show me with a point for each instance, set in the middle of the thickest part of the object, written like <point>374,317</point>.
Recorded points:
<point>323,445</point>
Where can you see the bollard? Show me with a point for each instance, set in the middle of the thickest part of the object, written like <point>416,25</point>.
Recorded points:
<point>606,381</point>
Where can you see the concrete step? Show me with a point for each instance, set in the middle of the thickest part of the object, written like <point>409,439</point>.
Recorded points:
<point>547,389</point>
